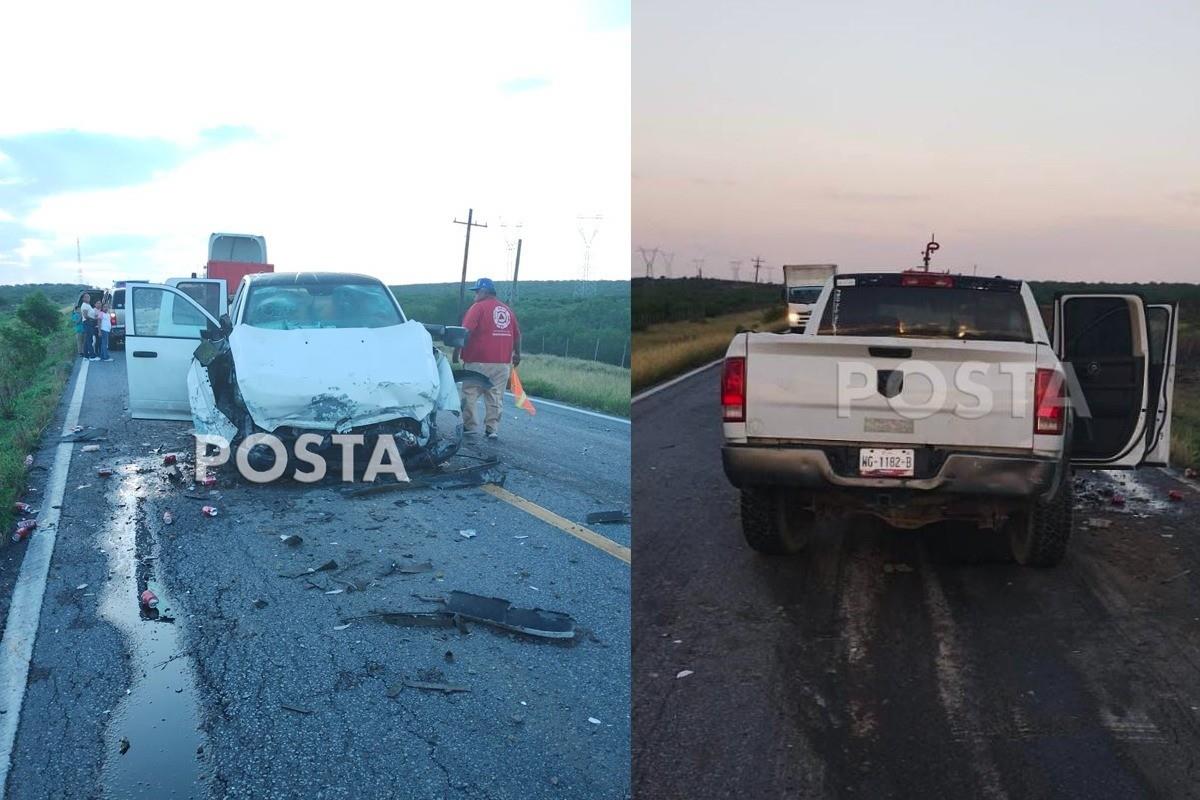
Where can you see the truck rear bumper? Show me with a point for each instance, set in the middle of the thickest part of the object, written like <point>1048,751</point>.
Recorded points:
<point>960,473</point>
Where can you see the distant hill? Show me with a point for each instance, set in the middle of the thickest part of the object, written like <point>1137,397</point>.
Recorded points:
<point>58,293</point>
<point>560,317</point>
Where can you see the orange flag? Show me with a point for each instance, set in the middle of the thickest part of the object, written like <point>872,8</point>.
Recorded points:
<point>519,397</point>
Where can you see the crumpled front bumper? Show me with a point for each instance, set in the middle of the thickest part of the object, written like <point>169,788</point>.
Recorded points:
<point>959,474</point>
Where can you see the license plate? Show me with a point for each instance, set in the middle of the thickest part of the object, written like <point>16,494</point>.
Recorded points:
<point>878,462</point>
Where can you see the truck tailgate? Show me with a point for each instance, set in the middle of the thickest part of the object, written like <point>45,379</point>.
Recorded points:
<point>793,390</point>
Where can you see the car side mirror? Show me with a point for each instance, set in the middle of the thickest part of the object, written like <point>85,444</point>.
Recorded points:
<point>455,336</point>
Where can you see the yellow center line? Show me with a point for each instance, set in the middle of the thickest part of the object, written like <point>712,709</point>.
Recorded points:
<point>615,550</point>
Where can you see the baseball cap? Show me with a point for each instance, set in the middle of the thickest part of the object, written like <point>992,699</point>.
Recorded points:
<point>484,283</point>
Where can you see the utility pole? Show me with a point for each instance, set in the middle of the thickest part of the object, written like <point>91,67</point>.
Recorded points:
<point>648,261</point>
<point>699,262</point>
<point>737,269</point>
<point>512,296</point>
<point>758,262</point>
<point>462,284</point>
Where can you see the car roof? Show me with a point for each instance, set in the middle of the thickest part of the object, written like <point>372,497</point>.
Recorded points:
<point>310,278</point>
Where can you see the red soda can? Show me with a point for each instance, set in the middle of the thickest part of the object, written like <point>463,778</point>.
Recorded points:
<point>104,472</point>
<point>149,599</point>
<point>209,480</point>
<point>209,511</point>
<point>169,459</point>
<point>22,508</point>
<point>24,528</point>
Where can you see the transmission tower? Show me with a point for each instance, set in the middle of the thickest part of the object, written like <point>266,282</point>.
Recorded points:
<point>699,264</point>
<point>737,269</point>
<point>667,259</point>
<point>78,262</point>
<point>648,257</point>
<point>588,228</point>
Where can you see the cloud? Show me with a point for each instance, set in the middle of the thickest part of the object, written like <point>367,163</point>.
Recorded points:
<point>517,85</point>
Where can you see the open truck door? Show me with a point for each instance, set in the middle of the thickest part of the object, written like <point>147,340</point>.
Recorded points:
<point>162,331</point>
<point>1105,341</point>
<point>210,293</point>
<point>1163,322</point>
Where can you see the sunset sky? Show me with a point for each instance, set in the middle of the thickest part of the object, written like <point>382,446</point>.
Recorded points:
<point>1046,141</point>
<point>350,135</point>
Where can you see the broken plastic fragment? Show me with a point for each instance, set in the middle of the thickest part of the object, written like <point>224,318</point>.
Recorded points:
<point>291,540</point>
<point>683,673</point>
<point>89,448</point>
<point>593,720</point>
<point>467,534</point>
<point>341,627</point>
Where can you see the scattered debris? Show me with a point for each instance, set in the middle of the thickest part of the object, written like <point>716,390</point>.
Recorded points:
<point>1118,499</point>
<point>81,587</point>
<point>149,599</point>
<point>123,746</point>
<point>259,604</point>
<point>23,508</point>
<point>446,688</point>
<point>169,459</point>
<point>28,461</point>
<point>168,518</point>
<point>90,448</point>
<point>1177,575</point>
<point>410,568</point>
<point>328,566</point>
<point>1175,496</point>
<point>467,477</point>
<point>617,516</point>
<point>335,591</point>
<point>80,434</point>
<point>295,709</point>
<point>209,511</point>
<point>24,529</point>
<point>593,720</point>
<point>683,673</point>
<point>467,534</point>
<point>1096,522</point>
<point>104,472</point>
<point>341,627</point>
<point>291,540</point>
<point>208,481</point>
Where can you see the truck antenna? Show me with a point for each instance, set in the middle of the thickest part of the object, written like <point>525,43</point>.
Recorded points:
<point>930,249</point>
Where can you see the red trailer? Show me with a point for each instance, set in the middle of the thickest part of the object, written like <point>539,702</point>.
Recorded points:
<point>232,256</point>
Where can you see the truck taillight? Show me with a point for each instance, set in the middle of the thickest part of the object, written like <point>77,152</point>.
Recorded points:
<point>926,279</point>
<point>733,389</point>
<point>1048,402</point>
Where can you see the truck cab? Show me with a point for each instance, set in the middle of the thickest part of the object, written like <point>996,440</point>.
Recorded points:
<point>802,288</point>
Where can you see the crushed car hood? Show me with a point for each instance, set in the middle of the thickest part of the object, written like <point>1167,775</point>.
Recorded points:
<point>335,379</point>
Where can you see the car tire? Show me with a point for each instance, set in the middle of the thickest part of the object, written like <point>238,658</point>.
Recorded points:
<point>774,523</point>
<point>1038,536</point>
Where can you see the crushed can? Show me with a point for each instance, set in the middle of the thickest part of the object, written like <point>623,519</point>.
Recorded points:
<point>24,528</point>
<point>22,508</point>
<point>1175,496</point>
<point>104,472</point>
<point>168,517</point>
<point>209,511</point>
<point>169,459</point>
<point>149,599</point>
<point>209,480</point>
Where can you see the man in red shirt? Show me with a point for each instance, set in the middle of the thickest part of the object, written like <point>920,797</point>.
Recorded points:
<point>492,346</point>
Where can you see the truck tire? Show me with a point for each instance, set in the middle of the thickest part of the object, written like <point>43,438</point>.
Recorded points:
<point>1038,536</point>
<point>773,523</point>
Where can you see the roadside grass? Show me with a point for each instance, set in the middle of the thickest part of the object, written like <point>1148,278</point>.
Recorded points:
<point>33,407</point>
<point>590,384</point>
<point>665,350</point>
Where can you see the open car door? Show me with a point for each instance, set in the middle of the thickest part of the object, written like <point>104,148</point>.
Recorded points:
<point>162,330</point>
<point>1104,342</point>
<point>210,293</point>
<point>1163,322</point>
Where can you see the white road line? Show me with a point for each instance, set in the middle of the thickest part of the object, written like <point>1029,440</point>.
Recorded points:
<point>25,611</point>
<point>673,381</point>
<point>538,401</point>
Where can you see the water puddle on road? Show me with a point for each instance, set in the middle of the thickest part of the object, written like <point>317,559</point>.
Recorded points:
<point>155,723</point>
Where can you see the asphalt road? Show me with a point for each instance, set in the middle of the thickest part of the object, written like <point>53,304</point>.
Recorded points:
<point>255,689</point>
<point>833,674</point>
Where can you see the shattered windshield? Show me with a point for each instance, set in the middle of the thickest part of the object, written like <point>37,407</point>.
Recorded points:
<point>320,305</point>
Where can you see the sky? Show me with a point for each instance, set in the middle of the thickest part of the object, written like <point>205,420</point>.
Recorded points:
<point>350,135</point>
<point>1037,140</point>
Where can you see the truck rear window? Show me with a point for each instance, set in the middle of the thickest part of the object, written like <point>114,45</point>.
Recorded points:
<point>927,312</point>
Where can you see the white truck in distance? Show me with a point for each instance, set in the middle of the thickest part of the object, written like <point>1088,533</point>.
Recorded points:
<point>802,286</point>
<point>922,397</point>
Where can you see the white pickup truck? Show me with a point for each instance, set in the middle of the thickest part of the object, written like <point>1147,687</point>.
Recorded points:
<point>921,397</point>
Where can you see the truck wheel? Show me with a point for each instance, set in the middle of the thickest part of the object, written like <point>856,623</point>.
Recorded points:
<point>1038,536</point>
<point>773,523</point>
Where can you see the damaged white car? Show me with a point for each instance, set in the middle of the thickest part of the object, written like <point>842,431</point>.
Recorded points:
<point>323,353</point>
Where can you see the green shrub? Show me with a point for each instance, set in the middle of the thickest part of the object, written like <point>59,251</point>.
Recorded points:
<point>39,313</point>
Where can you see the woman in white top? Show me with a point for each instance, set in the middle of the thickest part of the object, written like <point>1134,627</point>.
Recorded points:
<point>105,322</point>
